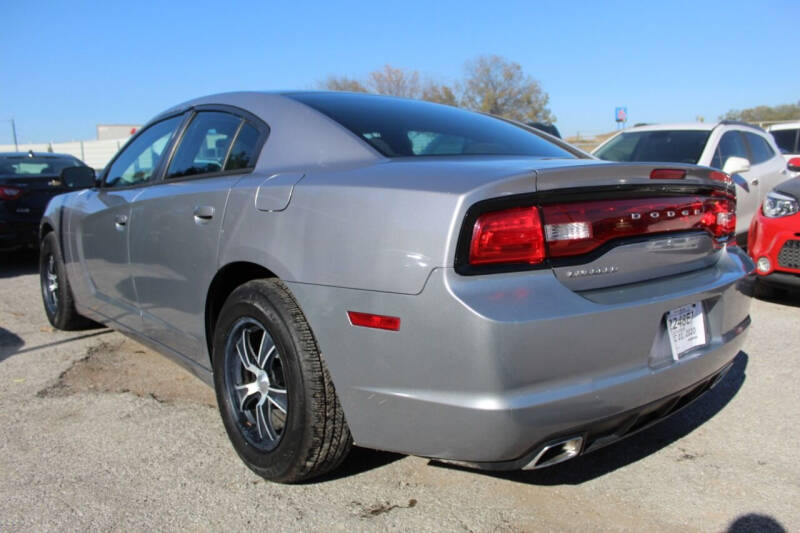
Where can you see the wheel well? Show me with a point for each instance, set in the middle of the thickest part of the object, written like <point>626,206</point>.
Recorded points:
<point>45,229</point>
<point>224,283</point>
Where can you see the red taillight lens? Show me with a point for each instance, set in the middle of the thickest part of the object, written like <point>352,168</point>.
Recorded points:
<point>596,223</point>
<point>10,193</point>
<point>667,174</point>
<point>368,320</point>
<point>530,234</point>
<point>510,236</point>
<point>719,218</point>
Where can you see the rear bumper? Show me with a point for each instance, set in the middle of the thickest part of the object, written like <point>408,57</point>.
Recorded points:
<point>16,234</point>
<point>486,369</point>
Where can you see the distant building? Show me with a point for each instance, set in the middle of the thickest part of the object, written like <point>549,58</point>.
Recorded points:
<point>116,131</point>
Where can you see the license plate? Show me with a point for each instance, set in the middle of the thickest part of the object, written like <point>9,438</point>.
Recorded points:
<point>686,327</point>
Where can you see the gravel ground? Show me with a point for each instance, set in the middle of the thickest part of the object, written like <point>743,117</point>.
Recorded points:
<point>100,433</point>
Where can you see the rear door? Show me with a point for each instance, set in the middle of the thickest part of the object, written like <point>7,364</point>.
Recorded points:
<point>766,163</point>
<point>176,225</point>
<point>102,223</point>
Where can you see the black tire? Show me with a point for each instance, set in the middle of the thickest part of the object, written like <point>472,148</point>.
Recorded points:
<point>59,306</point>
<point>312,438</point>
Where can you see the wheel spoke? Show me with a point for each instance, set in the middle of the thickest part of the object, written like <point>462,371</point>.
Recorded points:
<point>264,419</point>
<point>265,358</point>
<point>278,398</point>
<point>249,389</point>
<point>243,350</point>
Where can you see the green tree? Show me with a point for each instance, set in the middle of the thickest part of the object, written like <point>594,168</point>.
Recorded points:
<point>342,83</point>
<point>495,85</point>
<point>765,113</point>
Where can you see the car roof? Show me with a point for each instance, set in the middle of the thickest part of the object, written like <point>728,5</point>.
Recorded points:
<point>702,126</point>
<point>49,155</point>
<point>695,126</point>
<point>784,126</point>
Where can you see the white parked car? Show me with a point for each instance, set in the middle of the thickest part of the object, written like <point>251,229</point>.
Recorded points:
<point>744,151</point>
<point>787,137</point>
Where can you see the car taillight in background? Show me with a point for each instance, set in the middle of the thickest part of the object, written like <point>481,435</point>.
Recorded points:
<point>531,234</point>
<point>10,193</point>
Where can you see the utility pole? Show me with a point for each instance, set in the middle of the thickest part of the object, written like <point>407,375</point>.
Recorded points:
<point>14,132</point>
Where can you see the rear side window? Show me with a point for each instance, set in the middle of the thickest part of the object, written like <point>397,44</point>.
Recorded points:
<point>786,140</point>
<point>731,144</point>
<point>243,154</point>
<point>673,146</point>
<point>205,144</point>
<point>35,166</point>
<point>398,127</point>
<point>759,148</point>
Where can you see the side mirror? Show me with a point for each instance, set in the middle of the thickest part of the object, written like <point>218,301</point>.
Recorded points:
<point>735,165</point>
<point>78,177</point>
<point>793,164</point>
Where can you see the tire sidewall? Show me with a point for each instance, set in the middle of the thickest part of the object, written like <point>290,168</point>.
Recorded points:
<point>279,463</point>
<point>50,247</point>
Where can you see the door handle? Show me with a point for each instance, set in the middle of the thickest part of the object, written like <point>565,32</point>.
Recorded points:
<point>120,221</point>
<point>203,213</point>
<point>755,181</point>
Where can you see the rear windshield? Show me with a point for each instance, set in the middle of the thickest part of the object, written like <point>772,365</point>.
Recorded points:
<point>22,166</point>
<point>399,128</point>
<point>786,140</point>
<point>676,146</point>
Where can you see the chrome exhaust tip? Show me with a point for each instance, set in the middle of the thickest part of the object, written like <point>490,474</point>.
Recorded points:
<point>557,452</point>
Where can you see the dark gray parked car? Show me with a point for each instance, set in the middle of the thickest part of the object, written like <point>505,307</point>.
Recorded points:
<point>405,276</point>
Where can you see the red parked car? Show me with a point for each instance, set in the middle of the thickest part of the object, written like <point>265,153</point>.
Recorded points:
<point>774,238</point>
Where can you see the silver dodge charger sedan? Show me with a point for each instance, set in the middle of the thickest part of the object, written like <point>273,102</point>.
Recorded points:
<point>357,269</point>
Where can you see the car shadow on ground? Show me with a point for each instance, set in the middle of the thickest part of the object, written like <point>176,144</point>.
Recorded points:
<point>638,446</point>
<point>18,263</point>
<point>781,296</point>
<point>756,522</point>
<point>359,460</point>
<point>10,343</point>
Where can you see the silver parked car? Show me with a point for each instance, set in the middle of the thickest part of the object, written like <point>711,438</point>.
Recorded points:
<point>401,275</point>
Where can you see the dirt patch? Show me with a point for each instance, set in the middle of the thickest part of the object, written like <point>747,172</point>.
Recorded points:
<point>127,367</point>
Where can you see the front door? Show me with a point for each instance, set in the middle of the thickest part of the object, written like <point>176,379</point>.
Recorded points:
<point>104,220</point>
<point>176,232</point>
<point>747,183</point>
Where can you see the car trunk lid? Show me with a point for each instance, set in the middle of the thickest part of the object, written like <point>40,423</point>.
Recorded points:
<point>609,225</point>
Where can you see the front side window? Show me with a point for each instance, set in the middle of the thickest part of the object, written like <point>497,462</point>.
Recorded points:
<point>139,160</point>
<point>398,127</point>
<point>786,140</point>
<point>672,146</point>
<point>731,144</point>
<point>759,148</point>
<point>205,144</point>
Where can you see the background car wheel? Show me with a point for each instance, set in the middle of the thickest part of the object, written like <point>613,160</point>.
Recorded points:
<point>56,293</point>
<point>274,392</point>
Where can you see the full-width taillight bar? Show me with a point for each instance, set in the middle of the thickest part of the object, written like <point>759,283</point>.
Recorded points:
<point>532,234</point>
